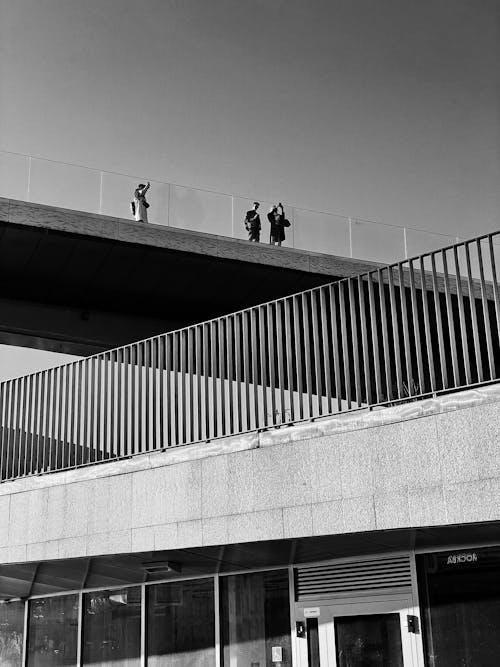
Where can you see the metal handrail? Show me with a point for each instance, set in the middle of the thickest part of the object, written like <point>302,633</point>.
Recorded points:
<point>422,326</point>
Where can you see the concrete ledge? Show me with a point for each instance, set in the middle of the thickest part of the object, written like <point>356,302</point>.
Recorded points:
<point>119,229</point>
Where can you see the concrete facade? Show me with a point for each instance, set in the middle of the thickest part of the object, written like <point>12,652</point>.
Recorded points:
<point>425,463</point>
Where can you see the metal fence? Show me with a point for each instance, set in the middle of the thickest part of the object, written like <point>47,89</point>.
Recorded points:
<point>418,327</point>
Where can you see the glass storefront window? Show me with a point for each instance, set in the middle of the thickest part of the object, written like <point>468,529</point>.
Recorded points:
<point>112,628</point>
<point>255,610</point>
<point>53,631</point>
<point>181,624</point>
<point>11,634</point>
<point>460,601</point>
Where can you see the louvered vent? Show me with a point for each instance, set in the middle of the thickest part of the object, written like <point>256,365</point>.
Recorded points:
<point>341,579</point>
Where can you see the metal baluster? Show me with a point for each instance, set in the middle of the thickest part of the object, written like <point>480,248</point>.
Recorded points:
<point>395,333</point>
<point>451,324</point>
<point>416,330</point>
<point>230,369</point>
<point>439,323</point>
<point>406,332</point>
<point>364,340</point>
<point>237,364</point>
<point>272,368</point>
<point>222,370</point>
<point>427,328</point>
<point>190,378</point>
<point>168,367</point>
<point>316,350</point>
<point>335,345</point>
<point>486,312</point>
<point>213,364</point>
<point>496,293</point>
<point>345,344</point>
<point>473,311</point>
<point>354,337</point>
<point>385,338</point>
<point>175,376</point>
<point>206,361</point>
<point>255,365</point>
<point>160,343</point>
<point>147,392</point>
<point>307,354</point>
<point>461,318</point>
<point>80,432</point>
<point>28,458</point>
<point>182,377</point>
<point>199,361</point>
<point>297,339</point>
<point>290,348</point>
<point>281,368</point>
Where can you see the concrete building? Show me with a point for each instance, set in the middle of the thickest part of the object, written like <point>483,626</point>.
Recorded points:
<point>310,476</point>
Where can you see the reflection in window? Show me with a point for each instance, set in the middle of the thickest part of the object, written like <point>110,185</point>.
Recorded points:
<point>112,628</point>
<point>53,631</point>
<point>368,641</point>
<point>255,618</point>
<point>11,634</point>
<point>181,624</point>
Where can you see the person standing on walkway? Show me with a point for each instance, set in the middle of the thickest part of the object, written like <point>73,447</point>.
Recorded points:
<point>278,222</point>
<point>252,223</point>
<point>140,205</point>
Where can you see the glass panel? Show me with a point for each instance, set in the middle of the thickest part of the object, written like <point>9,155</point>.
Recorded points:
<point>255,618</point>
<point>321,232</point>
<point>53,631</point>
<point>368,641</point>
<point>11,634</point>
<point>418,242</point>
<point>63,185</point>
<point>460,593</point>
<point>201,211</point>
<point>181,624</point>
<point>112,628</point>
<point>14,176</point>
<point>376,242</point>
<point>118,192</point>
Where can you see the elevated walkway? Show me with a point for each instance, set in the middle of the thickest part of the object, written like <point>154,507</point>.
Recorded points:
<point>82,283</point>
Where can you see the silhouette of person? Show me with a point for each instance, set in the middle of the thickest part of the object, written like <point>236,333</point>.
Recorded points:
<point>252,223</point>
<point>276,217</point>
<point>140,205</point>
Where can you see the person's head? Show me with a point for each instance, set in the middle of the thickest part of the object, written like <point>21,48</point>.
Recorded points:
<point>273,208</point>
<point>141,186</point>
<point>256,205</point>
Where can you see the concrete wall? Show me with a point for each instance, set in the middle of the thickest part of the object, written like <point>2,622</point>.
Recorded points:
<point>426,463</point>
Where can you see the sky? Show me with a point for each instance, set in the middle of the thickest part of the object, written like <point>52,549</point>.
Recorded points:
<point>386,110</point>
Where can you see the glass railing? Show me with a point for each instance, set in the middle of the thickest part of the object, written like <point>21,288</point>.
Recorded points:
<point>80,188</point>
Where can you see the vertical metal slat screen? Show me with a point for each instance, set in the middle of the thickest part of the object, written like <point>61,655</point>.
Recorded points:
<point>426,325</point>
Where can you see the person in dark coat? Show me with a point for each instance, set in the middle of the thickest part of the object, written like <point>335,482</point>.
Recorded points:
<point>278,222</point>
<point>252,223</point>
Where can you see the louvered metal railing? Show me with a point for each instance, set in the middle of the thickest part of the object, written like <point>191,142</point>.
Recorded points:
<point>422,326</point>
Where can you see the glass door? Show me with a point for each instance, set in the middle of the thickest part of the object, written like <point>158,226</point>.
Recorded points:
<point>360,633</point>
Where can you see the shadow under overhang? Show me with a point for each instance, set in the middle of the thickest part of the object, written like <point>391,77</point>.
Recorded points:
<point>57,576</point>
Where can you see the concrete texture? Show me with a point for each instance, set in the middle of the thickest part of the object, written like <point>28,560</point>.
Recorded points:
<point>426,463</point>
<point>79,222</point>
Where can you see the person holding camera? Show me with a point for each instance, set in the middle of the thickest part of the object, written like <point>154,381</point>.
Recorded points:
<point>278,222</point>
<point>139,205</point>
<point>252,223</point>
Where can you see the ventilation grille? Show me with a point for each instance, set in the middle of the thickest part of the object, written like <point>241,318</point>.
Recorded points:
<point>341,579</point>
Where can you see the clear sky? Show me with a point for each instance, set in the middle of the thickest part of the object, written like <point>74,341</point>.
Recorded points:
<point>386,110</point>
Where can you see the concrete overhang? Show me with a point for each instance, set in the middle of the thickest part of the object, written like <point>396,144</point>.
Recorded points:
<point>80,283</point>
